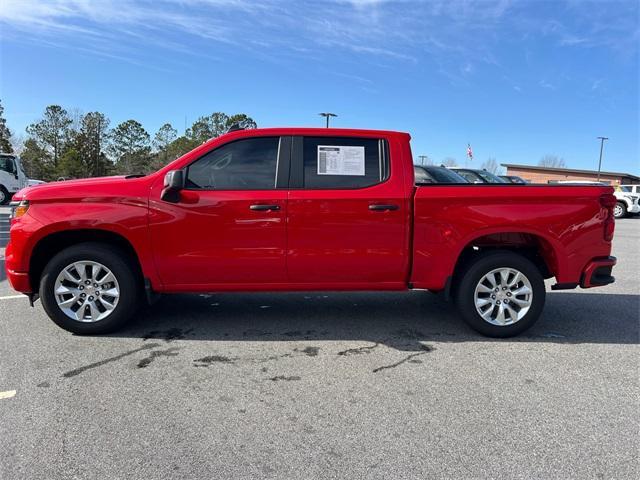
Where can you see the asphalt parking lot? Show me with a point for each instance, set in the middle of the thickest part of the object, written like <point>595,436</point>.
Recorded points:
<point>327,385</point>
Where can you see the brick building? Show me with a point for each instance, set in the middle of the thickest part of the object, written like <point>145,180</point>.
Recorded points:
<point>535,174</point>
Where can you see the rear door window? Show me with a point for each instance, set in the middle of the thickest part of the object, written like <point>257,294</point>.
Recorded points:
<point>343,162</point>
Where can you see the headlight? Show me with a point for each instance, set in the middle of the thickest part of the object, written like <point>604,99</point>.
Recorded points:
<point>18,209</point>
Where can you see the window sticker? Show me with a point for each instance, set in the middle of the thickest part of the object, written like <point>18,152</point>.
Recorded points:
<point>340,160</point>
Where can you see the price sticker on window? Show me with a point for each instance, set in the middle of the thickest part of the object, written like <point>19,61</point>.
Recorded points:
<point>340,160</point>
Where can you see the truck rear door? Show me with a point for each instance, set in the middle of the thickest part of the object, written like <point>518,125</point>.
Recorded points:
<point>347,224</point>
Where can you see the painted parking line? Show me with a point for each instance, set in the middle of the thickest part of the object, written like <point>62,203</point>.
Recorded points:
<point>7,394</point>
<point>10,297</point>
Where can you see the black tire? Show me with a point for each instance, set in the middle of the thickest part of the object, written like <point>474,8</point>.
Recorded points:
<point>620,210</point>
<point>112,258</point>
<point>5,197</point>
<point>471,277</point>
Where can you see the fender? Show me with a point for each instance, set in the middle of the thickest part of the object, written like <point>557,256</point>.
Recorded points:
<point>130,223</point>
<point>556,259</point>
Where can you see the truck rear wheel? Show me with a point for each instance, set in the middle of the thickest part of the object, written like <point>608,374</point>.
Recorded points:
<point>501,294</point>
<point>89,289</point>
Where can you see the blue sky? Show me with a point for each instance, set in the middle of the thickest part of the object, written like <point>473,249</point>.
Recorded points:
<point>517,79</point>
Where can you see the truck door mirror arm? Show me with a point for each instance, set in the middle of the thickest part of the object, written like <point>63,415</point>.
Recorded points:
<point>173,183</point>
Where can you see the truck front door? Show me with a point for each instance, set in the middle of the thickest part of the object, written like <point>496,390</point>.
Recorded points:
<point>228,228</point>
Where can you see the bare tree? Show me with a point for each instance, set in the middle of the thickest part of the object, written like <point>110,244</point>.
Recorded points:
<point>76,115</point>
<point>552,161</point>
<point>491,166</point>
<point>17,143</point>
<point>450,162</point>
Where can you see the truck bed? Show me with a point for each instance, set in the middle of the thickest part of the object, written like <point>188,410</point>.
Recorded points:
<point>451,218</point>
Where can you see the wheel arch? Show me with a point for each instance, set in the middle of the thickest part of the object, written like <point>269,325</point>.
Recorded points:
<point>54,243</point>
<point>626,201</point>
<point>541,251</point>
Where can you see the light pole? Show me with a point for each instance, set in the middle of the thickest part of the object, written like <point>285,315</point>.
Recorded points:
<point>422,158</point>
<point>602,139</point>
<point>327,115</point>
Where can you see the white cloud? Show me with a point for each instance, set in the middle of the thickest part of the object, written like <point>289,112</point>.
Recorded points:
<point>545,84</point>
<point>456,37</point>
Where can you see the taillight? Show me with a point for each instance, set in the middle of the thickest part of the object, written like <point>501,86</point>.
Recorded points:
<point>609,227</point>
<point>608,201</point>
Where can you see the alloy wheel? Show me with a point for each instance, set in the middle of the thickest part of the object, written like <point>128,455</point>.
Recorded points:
<point>86,291</point>
<point>503,296</point>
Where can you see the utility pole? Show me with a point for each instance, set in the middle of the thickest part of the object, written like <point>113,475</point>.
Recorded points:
<point>327,115</point>
<point>602,139</point>
<point>422,159</point>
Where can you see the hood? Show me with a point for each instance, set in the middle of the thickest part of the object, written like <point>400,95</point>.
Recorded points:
<point>81,188</point>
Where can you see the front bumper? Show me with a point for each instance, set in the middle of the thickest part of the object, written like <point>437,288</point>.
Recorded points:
<point>18,280</point>
<point>598,272</point>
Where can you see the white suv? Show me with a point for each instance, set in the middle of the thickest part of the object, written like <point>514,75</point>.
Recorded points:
<point>631,189</point>
<point>628,196</point>
<point>625,194</point>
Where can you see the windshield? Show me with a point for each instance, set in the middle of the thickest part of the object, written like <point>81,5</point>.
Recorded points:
<point>444,175</point>
<point>489,177</point>
<point>469,175</point>
<point>21,167</point>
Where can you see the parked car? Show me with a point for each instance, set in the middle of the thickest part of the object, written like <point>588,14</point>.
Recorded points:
<point>630,188</point>
<point>12,176</point>
<point>626,203</point>
<point>432,174</point>
<point>513,179</point>
<point>477,176</point>
<point>291,209</point>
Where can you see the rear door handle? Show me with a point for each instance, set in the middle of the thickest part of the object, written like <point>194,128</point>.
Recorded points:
<point>264,208</point>
<point>382,208</point>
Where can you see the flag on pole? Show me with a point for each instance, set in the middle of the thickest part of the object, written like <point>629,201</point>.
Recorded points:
<point>469,151</point>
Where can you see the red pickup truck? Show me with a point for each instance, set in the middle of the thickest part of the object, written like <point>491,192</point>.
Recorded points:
<point>289,209</point>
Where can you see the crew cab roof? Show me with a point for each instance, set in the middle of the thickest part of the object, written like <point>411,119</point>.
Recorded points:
<point>342,132</point>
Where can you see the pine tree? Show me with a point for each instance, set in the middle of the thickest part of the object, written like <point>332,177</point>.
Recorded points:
<point>37,161</point>
<point>130,147</point>
<point>5,134</point>
<point>92,141</point>
<point>52,131</point>
<point>162,140</point>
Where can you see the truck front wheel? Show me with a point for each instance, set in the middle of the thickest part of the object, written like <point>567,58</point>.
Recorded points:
<point>501,294</point>
<point>89,289</point>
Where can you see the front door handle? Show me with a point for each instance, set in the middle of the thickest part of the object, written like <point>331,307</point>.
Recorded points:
<point>382,208</point>
<point>264,208</point>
